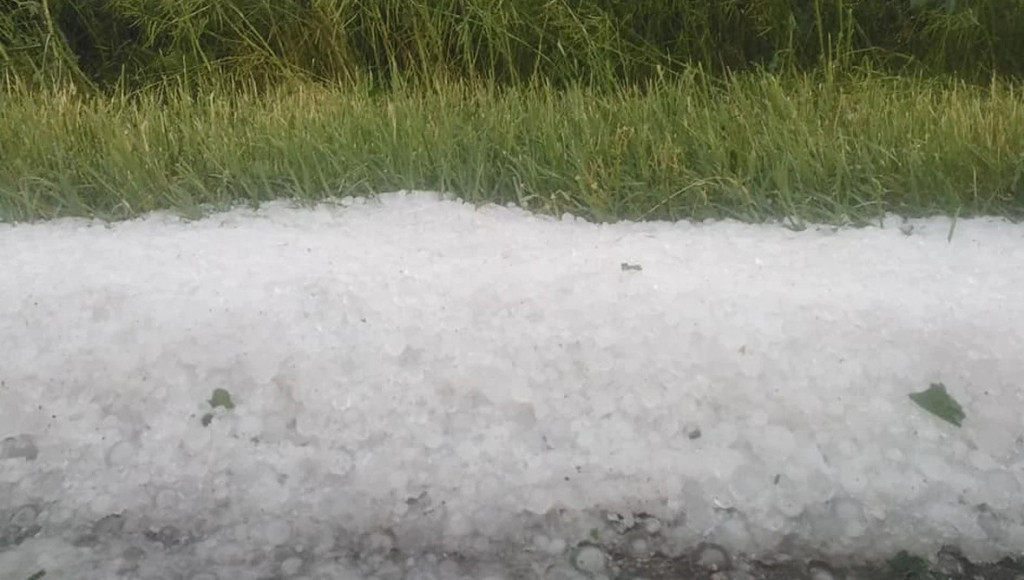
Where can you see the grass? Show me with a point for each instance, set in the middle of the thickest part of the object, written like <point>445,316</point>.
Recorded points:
<point>561,42</point>
<point>827,110</point>
<point>754,146</point>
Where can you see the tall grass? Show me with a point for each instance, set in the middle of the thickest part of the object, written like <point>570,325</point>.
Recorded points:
<point>754,146</point>
<point>133,43</point>
<point>832,110</point>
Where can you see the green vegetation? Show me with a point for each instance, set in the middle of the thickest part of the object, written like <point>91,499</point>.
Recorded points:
<point>753,147</point>
<point>937,401</point>
<point>907,567</point>
<point>221,398</point>
<point>823,110</point>
<point>559,42</point>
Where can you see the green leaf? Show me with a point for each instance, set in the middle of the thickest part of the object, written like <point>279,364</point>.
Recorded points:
<point>221,398</point>
<point>904,565</point>
<point>937,401</point>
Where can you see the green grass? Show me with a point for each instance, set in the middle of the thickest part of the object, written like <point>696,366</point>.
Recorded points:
<point>561,42</point>
<point>813,146</point>
<point>754,109</point>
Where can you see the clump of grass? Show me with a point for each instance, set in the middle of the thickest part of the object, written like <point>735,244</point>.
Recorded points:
<point>753,146</point>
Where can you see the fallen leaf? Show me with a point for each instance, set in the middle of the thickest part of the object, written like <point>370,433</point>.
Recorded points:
<point>937,401</point>
<point>221,398</point>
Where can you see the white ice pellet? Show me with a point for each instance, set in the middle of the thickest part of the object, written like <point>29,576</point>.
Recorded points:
<point>24,516</point>
<point>849,514</point>
<point>712,558</point>
<point>121,453</point>
<point>277,532</point>
<point>1002,487</point>
<point>291,566</point>
<point>652,525</point>
<point>589,559</point>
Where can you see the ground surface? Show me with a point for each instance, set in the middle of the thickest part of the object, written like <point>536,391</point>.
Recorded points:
<point>411,387</point>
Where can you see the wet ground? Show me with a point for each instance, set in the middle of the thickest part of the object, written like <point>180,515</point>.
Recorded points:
<point>711,562</point>
<point>632,550</point>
